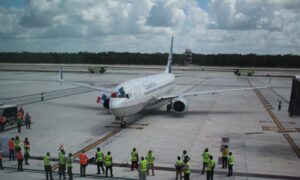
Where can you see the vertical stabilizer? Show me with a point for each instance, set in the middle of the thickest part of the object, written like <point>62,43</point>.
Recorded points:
<point>170,59</point>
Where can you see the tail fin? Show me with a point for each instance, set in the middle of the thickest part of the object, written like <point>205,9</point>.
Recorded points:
<point>170,59</point>
<point>61,77</point>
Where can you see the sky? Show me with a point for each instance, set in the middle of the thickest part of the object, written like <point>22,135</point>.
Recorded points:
<point>204,26</point>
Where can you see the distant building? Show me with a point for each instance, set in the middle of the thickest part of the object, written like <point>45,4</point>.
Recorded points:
<point>187,57</point>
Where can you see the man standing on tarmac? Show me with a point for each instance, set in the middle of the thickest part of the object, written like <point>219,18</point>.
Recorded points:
<point>205,159</point>
<point>70,166</point>
<point>179,166</point>
<point>108,164</point>
<point>142,169</point>
<point>224,156</point>
<point>20,160</point>
<point>150,160</point>
<point>83,160</point>
<point>187,169</point>
<point>47,164</point>
<point>2,122</point>
<point>26,150</point>
<point>19,124</point>
<point>27,120</point>
<point>230,164</point>
<point>134,159</point>
<point>62,164</point>
<point>210,168</point>
<point>11,147</point>
<point>99,156</point>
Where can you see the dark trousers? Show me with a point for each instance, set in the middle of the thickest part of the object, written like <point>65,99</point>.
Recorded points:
<point>12,155</point>
<point>26,157</point>
<point>20,164</point>
<point>186,176</point>
<point>100,164</point>
<point>70,173</point>
<point>210,175</point>
<point>62,170</point>
<point>27,125</point>
<point>224,162</point>
<point>204,166</point>
<point>1,165</point>
<point>48,171</point>
<point>110,169</point>
<point>82,169</point>
<point>134,164</point>
<point>179,174</point>
<point>230,170</point>
<point>19,129</point>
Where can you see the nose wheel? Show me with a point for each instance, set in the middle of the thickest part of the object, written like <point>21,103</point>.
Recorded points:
<point>123,123</point>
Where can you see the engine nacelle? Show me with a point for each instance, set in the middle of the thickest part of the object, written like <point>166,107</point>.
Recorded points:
<point>179,105</point>
<point>106,103</point>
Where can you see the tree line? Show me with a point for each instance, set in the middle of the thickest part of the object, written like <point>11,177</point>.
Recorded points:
<point>248,60</point>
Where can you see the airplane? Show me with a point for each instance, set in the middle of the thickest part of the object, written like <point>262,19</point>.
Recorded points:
<point>132,96</point>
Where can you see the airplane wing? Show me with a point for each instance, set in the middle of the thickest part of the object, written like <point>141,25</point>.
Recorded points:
<point>103,89</point>
<point>208,92</point>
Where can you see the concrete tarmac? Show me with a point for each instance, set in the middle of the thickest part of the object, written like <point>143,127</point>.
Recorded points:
<point>264,147</point>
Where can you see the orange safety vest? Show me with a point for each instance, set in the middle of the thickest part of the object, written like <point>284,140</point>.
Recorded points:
<point>83,159</point>
<point>19,155</point>
<point>11,145</point>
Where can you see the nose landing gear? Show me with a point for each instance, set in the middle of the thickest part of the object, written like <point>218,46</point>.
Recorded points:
<point>123,123</point>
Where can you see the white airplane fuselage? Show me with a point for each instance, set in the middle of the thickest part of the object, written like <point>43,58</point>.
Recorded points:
<point>140,93</point>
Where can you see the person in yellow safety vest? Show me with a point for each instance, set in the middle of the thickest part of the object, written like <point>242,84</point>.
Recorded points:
<point>150,161</point>
<point>230,164</point>
<point>70,166</point>
<point>19,124</point>
<point>187,168</point>
<point>62,164</point>
<point>142,169</point>
<point>108,164</point>
<point>205,159</point>
<point>179,167</point>
<point>99,156</point>
<point>224,156</point>
<point>47,166</point>
<point>17,143</point>
<point>26,150</point>
<point>210,168</point>
<point>134,159</point>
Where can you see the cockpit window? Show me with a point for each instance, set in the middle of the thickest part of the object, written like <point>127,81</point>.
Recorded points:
<point>128,95</point>
<point>120,94</point>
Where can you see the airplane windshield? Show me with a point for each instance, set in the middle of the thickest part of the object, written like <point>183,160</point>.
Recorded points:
<point>120,94</point>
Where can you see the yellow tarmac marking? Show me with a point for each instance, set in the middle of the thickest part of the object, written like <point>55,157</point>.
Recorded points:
<point>280,127</point>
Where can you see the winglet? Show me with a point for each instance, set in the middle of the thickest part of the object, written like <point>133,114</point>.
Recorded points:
<point>61,77</point>
<point>170,58</point>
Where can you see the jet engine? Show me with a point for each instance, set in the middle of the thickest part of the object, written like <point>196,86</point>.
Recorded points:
<point>179,105</point>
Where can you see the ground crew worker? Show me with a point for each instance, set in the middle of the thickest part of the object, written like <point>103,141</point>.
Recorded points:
<point>70,166</point>
<point>230,164</point>
<point>184,155</point>
<point>186,168</point>
<point>17,144</point>
<point>1,165</point>
<point>142,169</point>
<point>21,113</point>
<point>62,164</point>
<point>99,156</point>
<point>20,160</point>
<point>150,161</point>
<point>19,124</point>
<point>224,156</point>
<point>205,159</point>
<point>27,120</point>
<point>26,150</point>
<point>83,160</point>
<point>134,159</point>
<point>108,164</point>
<point>210,168</point>
<point>279,104</point>
<point>2,122</point>
<point>179,167</point>
<point>11,147</point>
<point>47,165</point>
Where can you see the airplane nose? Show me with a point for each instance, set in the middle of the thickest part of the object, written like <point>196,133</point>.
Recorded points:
<point>115,107</point>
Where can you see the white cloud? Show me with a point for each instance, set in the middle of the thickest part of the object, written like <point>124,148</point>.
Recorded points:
<point>227,26</point>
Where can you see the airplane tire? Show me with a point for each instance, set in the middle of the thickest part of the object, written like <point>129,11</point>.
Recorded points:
<point>123,124</point>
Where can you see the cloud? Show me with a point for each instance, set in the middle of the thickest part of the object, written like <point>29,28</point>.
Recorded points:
<point>224,26</point>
